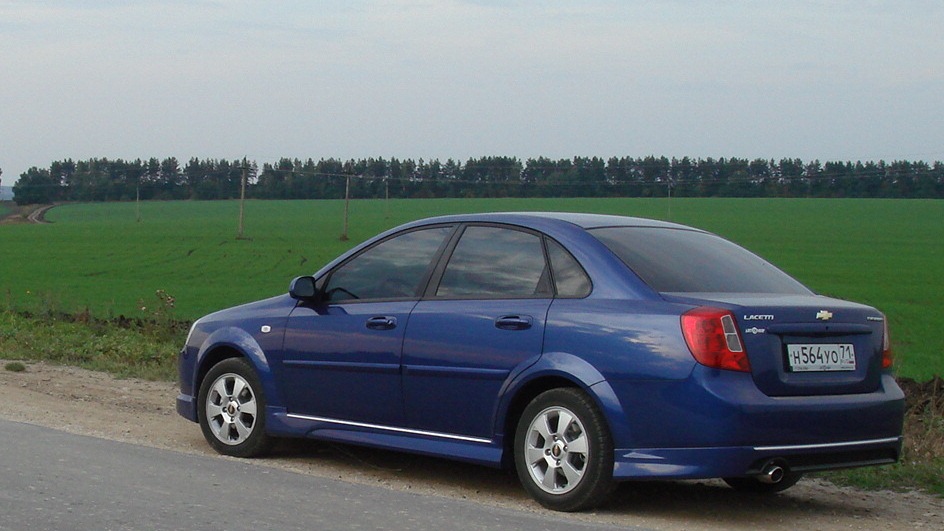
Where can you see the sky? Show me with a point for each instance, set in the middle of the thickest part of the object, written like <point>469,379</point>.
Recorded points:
<point>830,80</point>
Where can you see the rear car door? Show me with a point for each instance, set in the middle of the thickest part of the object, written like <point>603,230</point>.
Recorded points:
<point>483,316</point>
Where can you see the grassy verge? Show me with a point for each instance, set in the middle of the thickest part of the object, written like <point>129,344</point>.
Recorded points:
<point>918,469</point>
<point>879,252</point>
<point>126,349</point>
<point>900,477</point>
<point>922,462</point>
<point>148,349</point>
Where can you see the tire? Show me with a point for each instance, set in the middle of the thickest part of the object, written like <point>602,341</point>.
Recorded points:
<point>756,486</point>
<point>564,452</point>
<point>232,409</point>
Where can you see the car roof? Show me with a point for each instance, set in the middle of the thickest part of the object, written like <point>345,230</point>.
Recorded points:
<point>585,221</point>
<point>568,229</point>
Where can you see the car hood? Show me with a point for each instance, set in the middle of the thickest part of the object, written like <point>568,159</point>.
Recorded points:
<point>273,307</point>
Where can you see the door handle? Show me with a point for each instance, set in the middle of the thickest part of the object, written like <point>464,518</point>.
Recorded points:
<point>514,322</point>
<point>382,322</point>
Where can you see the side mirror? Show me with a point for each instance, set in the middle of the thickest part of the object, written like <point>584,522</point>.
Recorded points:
<point>303,288</point>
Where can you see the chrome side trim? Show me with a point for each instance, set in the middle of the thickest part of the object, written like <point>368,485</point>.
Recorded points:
<point>826,445</point>
<point>438,435</point>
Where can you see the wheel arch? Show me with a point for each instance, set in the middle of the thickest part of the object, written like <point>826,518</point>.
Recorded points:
<point>552,371</point>
<point>229,343</point>
<point>522,397</point>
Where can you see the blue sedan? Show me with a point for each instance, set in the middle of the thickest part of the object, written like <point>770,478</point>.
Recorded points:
<point>579,349</point>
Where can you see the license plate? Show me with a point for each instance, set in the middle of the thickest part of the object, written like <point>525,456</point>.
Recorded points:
<point>821,357</point>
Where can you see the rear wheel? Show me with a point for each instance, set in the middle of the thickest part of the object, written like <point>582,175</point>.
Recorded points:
<point>232,409</point>
<point>563,451</point>
<point>756,486</point>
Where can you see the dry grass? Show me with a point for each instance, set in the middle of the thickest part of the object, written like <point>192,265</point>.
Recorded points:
<point>922,461</point>
<point>924,419</point>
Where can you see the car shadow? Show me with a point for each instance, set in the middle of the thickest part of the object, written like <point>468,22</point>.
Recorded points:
<point>713,502</point>
<point>710,502</point>
<point>415,472</point>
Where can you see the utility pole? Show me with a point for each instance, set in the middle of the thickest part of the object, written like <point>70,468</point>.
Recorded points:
<point>347,204</point>
<point>242,203</point>
<point>669,198</point>
<point>137,202</point>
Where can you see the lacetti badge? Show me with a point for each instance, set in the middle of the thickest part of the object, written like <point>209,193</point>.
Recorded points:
<point>824,315</point>
<point>758,317</point>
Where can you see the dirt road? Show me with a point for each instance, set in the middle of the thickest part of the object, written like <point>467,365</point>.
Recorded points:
<point>140,412</point>
<point>26,214</point>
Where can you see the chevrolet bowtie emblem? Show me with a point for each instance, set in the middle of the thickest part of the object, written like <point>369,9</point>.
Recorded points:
<point>824,315</point>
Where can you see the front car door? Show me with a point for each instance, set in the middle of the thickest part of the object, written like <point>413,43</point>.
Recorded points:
<point>342,353</point>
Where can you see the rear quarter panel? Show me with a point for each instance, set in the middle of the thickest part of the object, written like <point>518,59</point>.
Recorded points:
<point>633,345</point>
<point>622,339</point>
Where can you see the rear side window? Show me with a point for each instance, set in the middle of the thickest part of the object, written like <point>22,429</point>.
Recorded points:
<point>687,261</point>
<point>493,262</point>
<point>570,279</point>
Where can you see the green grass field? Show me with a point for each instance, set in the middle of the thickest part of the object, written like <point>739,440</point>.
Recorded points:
<point>887,253</point>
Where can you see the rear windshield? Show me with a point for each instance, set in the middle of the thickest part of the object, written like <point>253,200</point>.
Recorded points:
<point>687,261</point>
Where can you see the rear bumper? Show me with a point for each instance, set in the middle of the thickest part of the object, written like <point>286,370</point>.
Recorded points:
<point>695,463</point>
<point>718,424</point>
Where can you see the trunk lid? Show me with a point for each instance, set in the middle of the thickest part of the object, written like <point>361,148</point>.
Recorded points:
<point>804,345</point>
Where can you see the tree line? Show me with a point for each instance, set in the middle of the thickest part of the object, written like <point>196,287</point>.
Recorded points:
<point>207,179</point>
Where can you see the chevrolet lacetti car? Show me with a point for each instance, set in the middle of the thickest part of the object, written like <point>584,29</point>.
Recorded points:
<point>579,349</point>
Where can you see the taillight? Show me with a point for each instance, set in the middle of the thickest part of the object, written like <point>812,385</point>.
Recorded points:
<point>714,340</point>
<point>887,359</point>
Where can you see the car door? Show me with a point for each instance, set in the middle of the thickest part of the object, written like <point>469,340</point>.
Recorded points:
<point>483,316</point>
<point>342,352</point>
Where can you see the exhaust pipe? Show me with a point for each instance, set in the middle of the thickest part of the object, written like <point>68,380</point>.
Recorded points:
<point>771,474</point>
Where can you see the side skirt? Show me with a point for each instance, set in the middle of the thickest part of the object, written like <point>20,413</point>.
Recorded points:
<point>449,446</point>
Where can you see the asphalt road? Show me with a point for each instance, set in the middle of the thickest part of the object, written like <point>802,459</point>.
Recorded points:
<point>56,480</point>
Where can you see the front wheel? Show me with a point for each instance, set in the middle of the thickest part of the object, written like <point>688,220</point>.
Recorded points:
<point>232,409</point>
<point>563,451</point>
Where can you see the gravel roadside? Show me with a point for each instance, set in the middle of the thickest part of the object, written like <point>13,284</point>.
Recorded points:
<point>140,412</point>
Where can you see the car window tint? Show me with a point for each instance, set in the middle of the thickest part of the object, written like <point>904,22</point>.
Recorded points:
<point>492,262</point>
<point>392,269</point>
<point>570,279</point>
<point>687,261</point>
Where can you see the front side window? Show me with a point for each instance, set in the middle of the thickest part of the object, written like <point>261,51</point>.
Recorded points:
<point>494,262</point>
<point>392,269</point>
